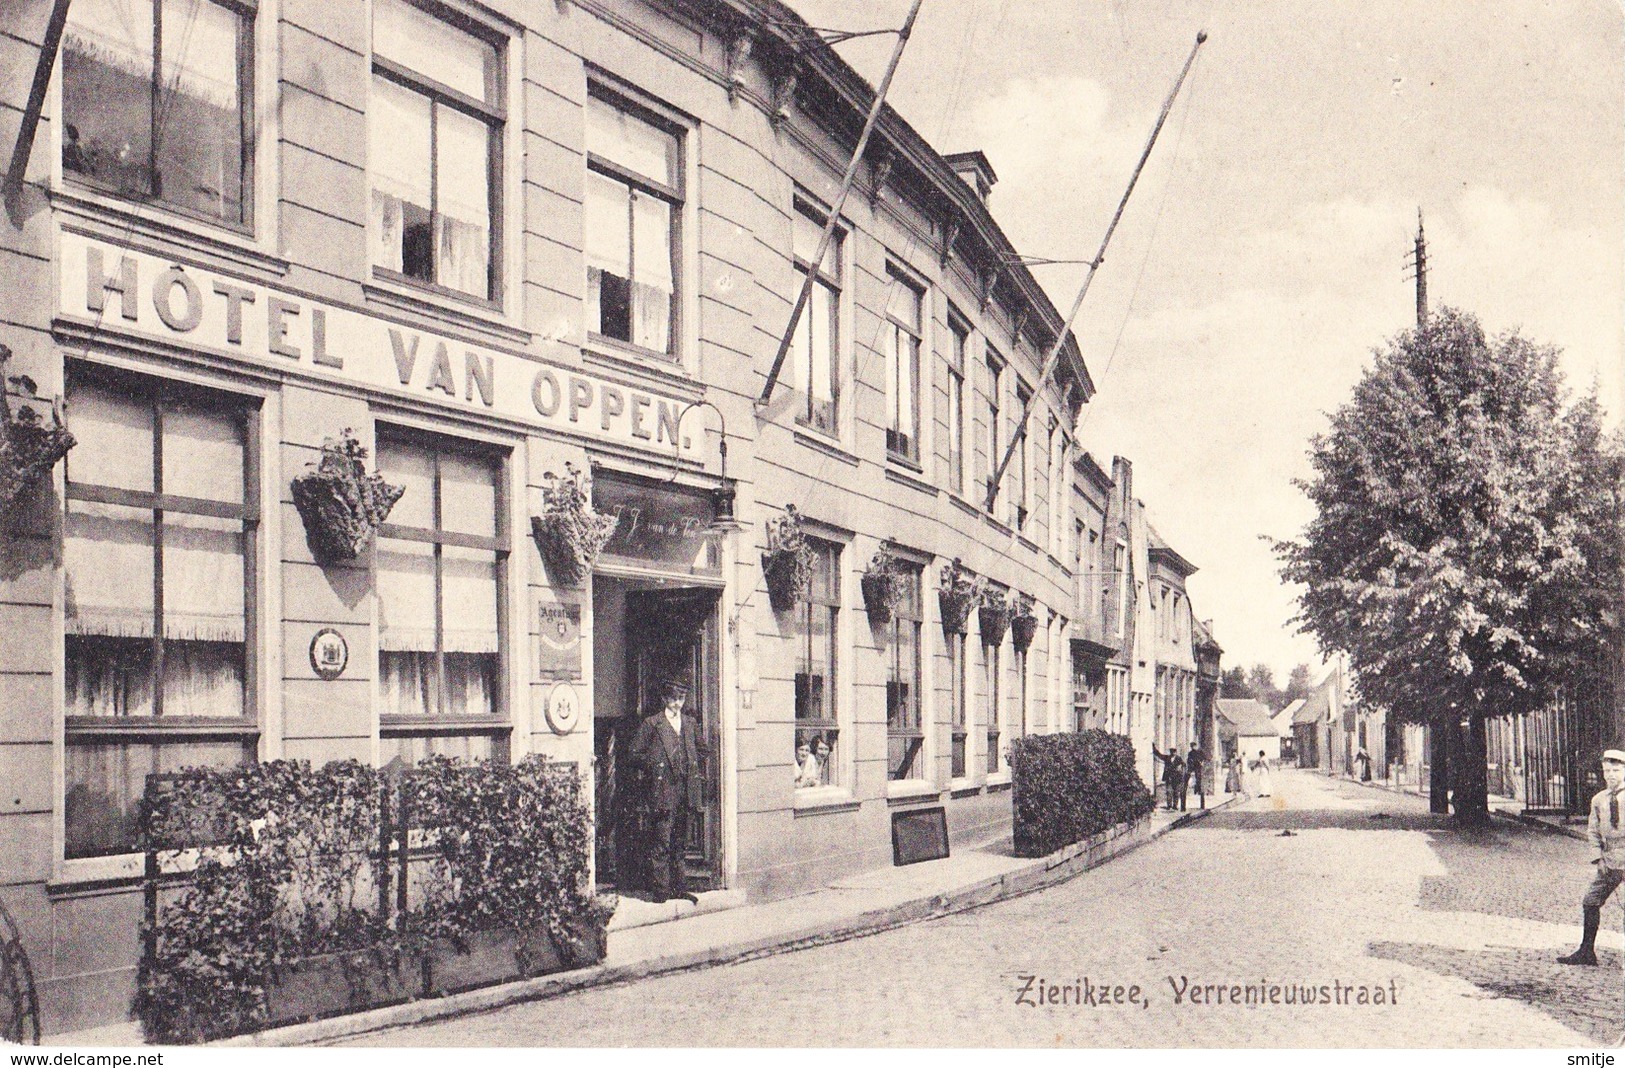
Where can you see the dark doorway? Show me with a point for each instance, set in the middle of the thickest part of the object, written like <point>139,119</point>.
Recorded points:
<point>643,633</point>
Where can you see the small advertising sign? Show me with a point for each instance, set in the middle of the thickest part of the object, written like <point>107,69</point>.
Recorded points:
<point>559,628</point>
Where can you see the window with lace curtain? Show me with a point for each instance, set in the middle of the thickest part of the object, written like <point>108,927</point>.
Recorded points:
<point>435,118</point>
<point>815,347</point>
<point>634,202</point>
<point>157,103</point>
<point>158,585</point>
<point>442,565</point>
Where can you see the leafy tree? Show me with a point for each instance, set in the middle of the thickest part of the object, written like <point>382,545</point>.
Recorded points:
<point>1261,680</point>
<point>1299,685</point>
<point>1464,552</point>
<point>1233,683</point>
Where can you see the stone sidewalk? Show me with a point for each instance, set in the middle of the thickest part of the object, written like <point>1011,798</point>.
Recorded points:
<point>647,939</point>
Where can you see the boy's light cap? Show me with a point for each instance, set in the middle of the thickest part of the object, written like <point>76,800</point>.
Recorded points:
<point>1616,755</point>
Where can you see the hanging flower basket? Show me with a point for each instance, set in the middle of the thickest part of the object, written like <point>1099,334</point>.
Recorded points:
<point>29,448</point>
<point>995,615</point>
<point>1023,622</point>
<point>570,532</point>
<point>787,563</point>
<point>883,585</point>
<point>958,594</point>
<point>342,506</point>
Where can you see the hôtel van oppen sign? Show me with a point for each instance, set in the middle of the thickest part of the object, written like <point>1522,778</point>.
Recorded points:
<point>127,290</point>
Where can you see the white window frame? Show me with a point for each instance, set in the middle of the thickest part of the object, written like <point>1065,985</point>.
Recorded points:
<point>899,275</point>
<point>262,237</point>
<point>262,686</point>
<point>504,304</point>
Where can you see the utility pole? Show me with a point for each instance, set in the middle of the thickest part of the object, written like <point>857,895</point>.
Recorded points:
<point>1419,263</point>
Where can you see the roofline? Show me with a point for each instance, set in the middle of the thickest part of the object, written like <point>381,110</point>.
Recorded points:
<point>819,58</point>
<point>1167,555</point>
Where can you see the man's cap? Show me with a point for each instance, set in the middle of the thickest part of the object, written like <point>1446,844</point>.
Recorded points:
<point>1615,755</point>
<point>677,686</point>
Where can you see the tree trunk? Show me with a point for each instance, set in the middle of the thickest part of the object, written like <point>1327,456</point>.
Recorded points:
<point>1472,772</point>
<point>1439,765</point>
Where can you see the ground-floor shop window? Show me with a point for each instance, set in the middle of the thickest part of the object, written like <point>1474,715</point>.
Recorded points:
<point>992,708</point>
<point>818,727</point>
<point>905,734</point>
<point>958,737</point>
<point>441,564</point>
<point>158,576</point>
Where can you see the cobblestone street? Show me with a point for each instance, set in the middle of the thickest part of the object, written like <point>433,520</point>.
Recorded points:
<point>1322,884</point>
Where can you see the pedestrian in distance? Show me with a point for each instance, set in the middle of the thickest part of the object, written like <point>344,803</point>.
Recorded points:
<point>1195,764</point>
<point>1261,775</point>
<point>1363,759</point>
<point>1606,833</point>
<point>1173,776</point>
<point>666,765</point>
<point>1232,775</point>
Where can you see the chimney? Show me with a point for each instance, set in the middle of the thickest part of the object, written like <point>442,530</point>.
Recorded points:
<point>975,170</point>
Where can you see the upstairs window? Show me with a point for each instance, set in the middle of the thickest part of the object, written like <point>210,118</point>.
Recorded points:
<point>957,444</point>
<point>816,346</point>
<point>634,196</point>
<point>995,430</point>
<point>157,103</point>
<point>436,126</point>
<point>902,334</point>
<point>1021,490</point>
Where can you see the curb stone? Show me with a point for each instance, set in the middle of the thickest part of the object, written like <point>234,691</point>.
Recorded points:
<point>1511,817</point>
<point>1042,873</point>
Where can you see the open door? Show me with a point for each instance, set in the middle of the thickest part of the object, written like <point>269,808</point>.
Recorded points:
<point>664,631</point>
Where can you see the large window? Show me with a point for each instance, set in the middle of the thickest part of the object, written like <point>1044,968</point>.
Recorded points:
<point>634,197</point>
<point>441,570</point>
<point>1021,490</point>
<point>157,102</point>
<point>817,626</point>
<point>902,332</point>
<point>158,577</point>
<point>905,733</point>
<point>816,346</point>
<point>1057,489</point>
<point>436,121</point>
<point>956,706</point>
<point>992,706</point>
<point>995,428</point>
<point>956,406</point>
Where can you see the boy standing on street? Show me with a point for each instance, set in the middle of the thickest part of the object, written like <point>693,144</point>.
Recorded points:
<point>1606,833</point>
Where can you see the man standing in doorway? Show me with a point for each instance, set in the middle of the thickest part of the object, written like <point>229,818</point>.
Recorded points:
<point>1606,833</point>
<point>666,763</point>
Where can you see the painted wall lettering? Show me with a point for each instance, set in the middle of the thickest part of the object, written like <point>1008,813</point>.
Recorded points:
<point>184,304</point>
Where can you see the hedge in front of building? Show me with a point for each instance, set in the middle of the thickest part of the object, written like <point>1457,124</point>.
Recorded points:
<point>1070,786</point>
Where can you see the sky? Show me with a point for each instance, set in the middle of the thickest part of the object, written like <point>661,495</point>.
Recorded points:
<point>1262,255</point>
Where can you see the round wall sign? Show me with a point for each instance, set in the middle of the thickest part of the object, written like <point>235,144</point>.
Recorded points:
<point>563,708</point>
<point>329,653</point>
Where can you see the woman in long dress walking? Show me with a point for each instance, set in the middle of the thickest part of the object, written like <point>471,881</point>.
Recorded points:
<point>1261,776</point>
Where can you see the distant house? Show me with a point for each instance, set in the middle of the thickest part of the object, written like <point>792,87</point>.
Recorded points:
<point>1245,728</point>
<point>1283,727</point>
<point>1315,723</point>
